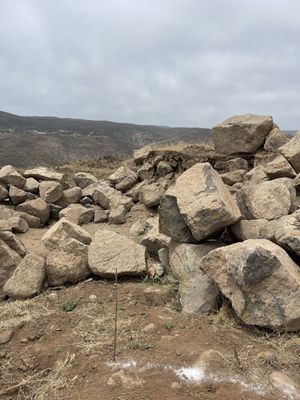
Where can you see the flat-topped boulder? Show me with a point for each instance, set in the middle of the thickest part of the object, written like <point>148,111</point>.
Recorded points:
<point>198,206</point>
<point>38,208</point>
<point>44,174</point>
<point>61,232</point>
<point>110,251</point>
<point>261,281</point>
<point>9,175</point>
<point>242,133</point>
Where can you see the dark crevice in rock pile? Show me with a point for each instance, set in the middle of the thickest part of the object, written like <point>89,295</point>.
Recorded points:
<point>225,221</point>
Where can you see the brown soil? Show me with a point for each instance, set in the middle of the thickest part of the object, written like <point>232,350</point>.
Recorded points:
<point>62,345</point>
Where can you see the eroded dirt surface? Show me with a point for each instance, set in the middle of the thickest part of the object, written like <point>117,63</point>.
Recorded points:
<point>62,345</point>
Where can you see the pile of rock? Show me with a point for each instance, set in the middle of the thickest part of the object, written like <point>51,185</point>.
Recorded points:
<point>224,222</point>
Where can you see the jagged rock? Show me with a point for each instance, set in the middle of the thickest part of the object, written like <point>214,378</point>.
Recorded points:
<point>106,196</point>
<point>279,168</point>
<point>291,151</point>
<point>268,200</point>
<point>241,133</point>
<point>146,171</point>
<point>124,178</point>
<point>9,259</point>
<point>17,224</point>
<point>257,276</point>
<point>110,251</point>
<point>137,229</point>
<point>275,139</point>
<point>198,206</point>
<point>13,243</point>
<point>70,196</point>
<point>3,192</point>
<point>230,178</point>
<point>67,264</point>
<point>163,255</point>
<point>150,195</point>
<point>45,174</point>
<point>134,192</point>
<point>31,220</point>
<point>5,225</point>
<point>153,240</point>
<point>85,201</point>
<point>50,191</point>
<point>231,165</point>
<point>38,208</point>
<point>16,195</point>
<point>142,154</point>
<point>32,185</point>
<point>163,168</point>
<point>286,232</point>
<point>11,176</point>
<point>62,232</point>
<point>256,175</point>
<point>185,258</point>
<point>117,215</point>
<point>84,179</point>
<point>77,214</point>
<point>27,279</point>
<point>101,216</point>
<point>198,294</point>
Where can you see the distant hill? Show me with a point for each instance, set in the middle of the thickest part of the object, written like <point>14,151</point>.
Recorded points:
<point>28,141</point>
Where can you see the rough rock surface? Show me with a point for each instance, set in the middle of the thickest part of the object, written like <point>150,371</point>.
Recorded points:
<point>268,200</point>
<point>242,133</point>
<point>9,175</point>
<point>151,195</point>
<point>117,215</point>
<point>67,264</point>
<point>106,196</point>
<point>153,240</point>
<point>3,192</point>
<point>275,139</point>
<point>44,174</point>
<point>50,191</point>
<point>260,279</point>
<point>84,179</point>
<point>77,214</point>
<point>110,251</point>
<point>16,195</point>
<point>9,260</point>
<point>198,206</point>
<point>291,151</point>
<point>279,168</point>
<point>27,279</point>
<point>31,185</point>
<point>38,208</point>
<point>62,232</point>
<point>70,196</point>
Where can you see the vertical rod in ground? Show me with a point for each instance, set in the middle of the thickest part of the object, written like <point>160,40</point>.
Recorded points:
<point>116,315</point>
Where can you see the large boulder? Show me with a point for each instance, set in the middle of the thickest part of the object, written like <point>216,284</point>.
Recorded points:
<point>268,200</point>
<point>67,263</point>
<point>70,196</point>
<point>117,215</point>
<point>77,214</point>
<point>198,206</point>
<point>32,185</point>
<point>261,281</point>
<point>38,208</point>
<point>291,151</point>
<point>123,178</point>
<point>275,139</point>
<point>50,191</point>
<point>27,279</point>
<point>253,229</point>
<point>14,224</point>
<point>279,168</point>
<point>84,179</point>
<point>45,174</point>
<point>110,252</point>
<point>62,232</point>
<point>242,133</point>
<point>11,176</point>
<point>3,192</point>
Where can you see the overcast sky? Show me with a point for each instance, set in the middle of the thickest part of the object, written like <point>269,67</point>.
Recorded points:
<point>164,62</point>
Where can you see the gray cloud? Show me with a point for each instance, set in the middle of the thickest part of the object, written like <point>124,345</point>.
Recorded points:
<point>166,62</point>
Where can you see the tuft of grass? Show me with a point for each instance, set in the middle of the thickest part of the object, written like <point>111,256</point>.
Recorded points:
<point>68,306</point>
<point>168,325</point>
<point>140,345</point>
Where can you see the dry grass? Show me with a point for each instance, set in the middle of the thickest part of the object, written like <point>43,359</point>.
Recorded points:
<point>206,145</point>
<point>17,312</point>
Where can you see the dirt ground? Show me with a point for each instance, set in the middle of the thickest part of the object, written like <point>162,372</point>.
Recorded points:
<point>60,345</point>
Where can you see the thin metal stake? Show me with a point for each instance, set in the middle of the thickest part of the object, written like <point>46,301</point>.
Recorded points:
<point>116,315</point>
